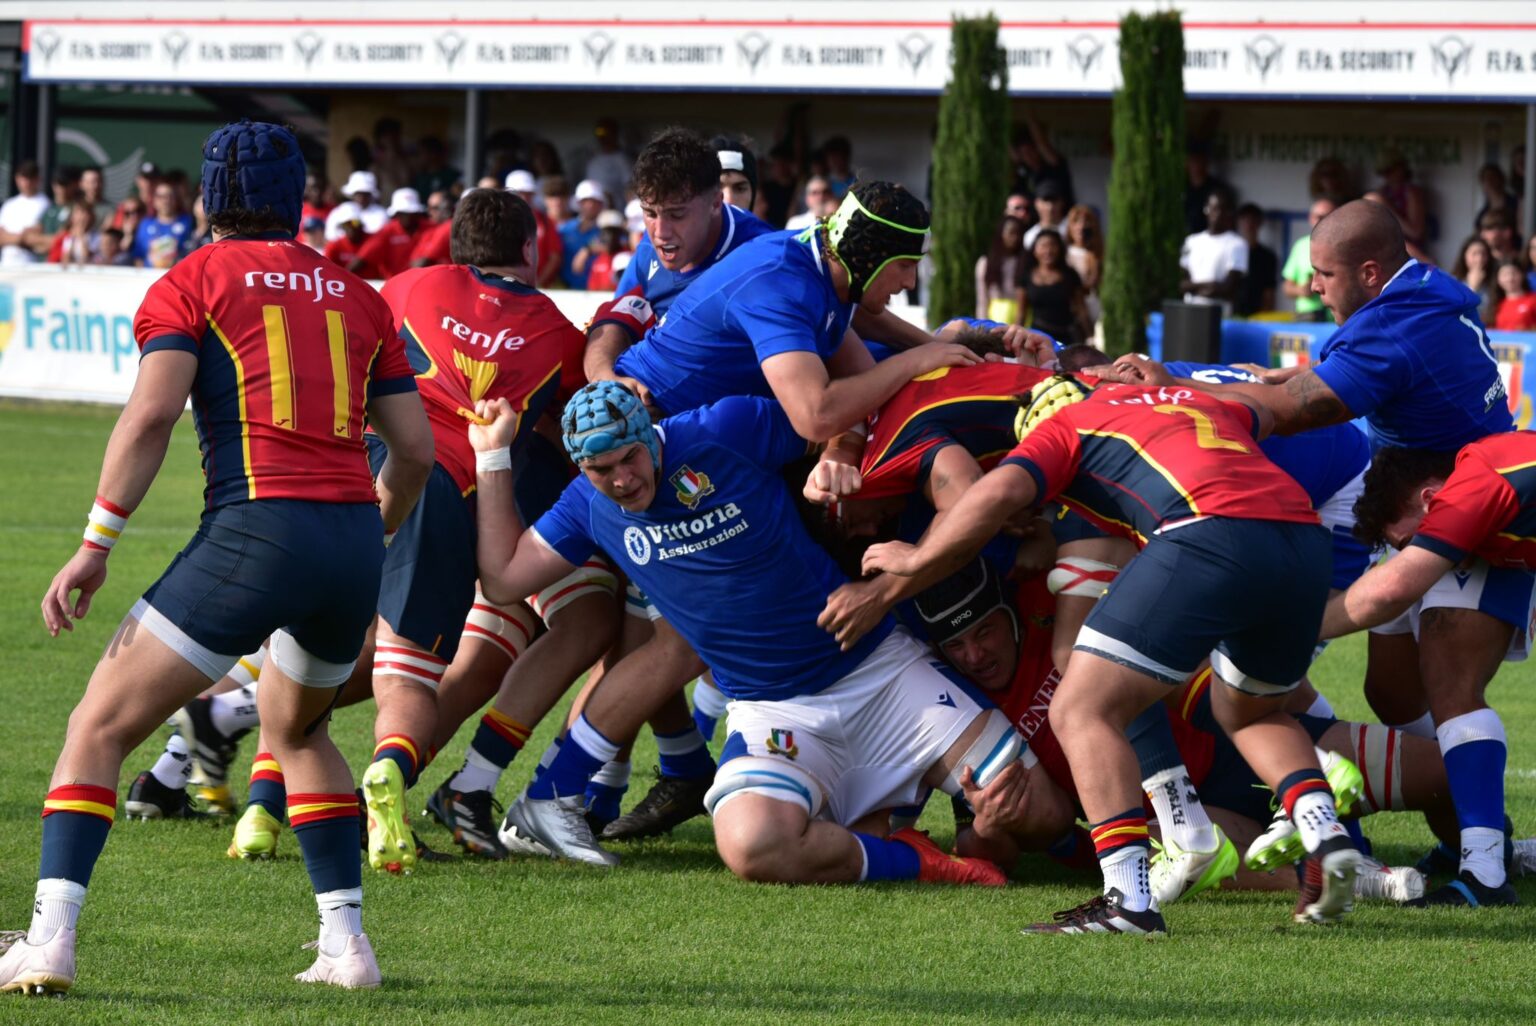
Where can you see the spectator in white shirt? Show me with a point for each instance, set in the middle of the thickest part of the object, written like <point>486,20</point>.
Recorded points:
<point>360,204</point>
<point>610,167</point>
<point>21,217</point>
<point>1050,208</point>
<point>1215,260</point>
<point>819,204</point>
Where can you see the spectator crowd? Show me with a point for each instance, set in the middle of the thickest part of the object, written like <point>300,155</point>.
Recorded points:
<point>1043,268</point>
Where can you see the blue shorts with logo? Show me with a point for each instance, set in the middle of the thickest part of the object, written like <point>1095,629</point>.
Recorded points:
<point>257,567</point>
<point>429,577</point>
<point>1247,593</point>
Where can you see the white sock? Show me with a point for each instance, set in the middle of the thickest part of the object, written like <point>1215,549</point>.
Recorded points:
<point>174,766</point>
<point>234,711</point>
<point>1482,854</point>
<point>613,774</point>
<point>57,905</point>
<point>477,774</point>
<point>1424,726</point>
<point>341,916</point>
<point>1321,708</point>
<point>1316,818</point>
<point>1126,869</point>
<point>1180,816</point>
<point>708,699</point>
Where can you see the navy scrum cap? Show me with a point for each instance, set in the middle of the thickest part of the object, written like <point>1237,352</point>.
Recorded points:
<point>959,602</point>
<point>253,164</point>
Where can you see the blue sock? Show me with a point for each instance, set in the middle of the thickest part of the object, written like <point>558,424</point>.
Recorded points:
<point>326,826</point>
<point>76,820</point>
<point>1151,737</point>
<point>583,754</point>
<point>606,790</point>
<point>684,755</point>
<point>1475,752</point>
<point>887,860</point>
<point>704,723</point>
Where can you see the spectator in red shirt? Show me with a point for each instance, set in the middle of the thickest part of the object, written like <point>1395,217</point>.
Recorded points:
<point>343,249</point>
<point>1517,310</point>
<point>433,241</point>
<point>547,236</point>
<point>387,251</point>
<point>78,242</point>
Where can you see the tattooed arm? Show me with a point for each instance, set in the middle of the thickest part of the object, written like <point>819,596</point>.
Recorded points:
<point>1301,403</point>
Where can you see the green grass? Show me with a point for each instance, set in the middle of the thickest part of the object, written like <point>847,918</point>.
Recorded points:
<point>174,932</point>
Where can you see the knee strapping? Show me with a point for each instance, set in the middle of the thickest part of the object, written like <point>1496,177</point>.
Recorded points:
<point>994,750</point>
<point>1378,751</point>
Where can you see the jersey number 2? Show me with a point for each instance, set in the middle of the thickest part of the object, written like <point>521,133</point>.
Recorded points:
<point>1206,434</point>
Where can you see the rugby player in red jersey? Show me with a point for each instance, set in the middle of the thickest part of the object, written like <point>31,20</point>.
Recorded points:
<point>1180,473</point>
<point>284,357</point>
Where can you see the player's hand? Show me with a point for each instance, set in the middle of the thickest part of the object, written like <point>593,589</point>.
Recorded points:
<point>497,425</point>
<point>641,392</point>
<point>895,557</point>
<point>1135,369</point>
<point>1270,375</point>
<point>1030,347</point>
<point>831,480</point>
<point>852,611</point>
<point>934,355</point>
<point>1000,807</point>
<point>85,572</point>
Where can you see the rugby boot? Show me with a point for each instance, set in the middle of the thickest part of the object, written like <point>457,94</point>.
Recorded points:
<point>36,970</point>
<point>391,846</point>
<point>1388,883</point>
<point>256,834</point>
<point>1177,873</point>
<point>670,803</point>
<point>935,865</point>
<point>1524,861</point>
<point>518,843</point>
<point>1103,914</point>
<point>1337,863</point>
<point>560,825</point>
<point>150,799</point>
<point>1467,891</point>
<point>219,801</point>
<point>1280,844</point>
<point>1442,859</point>
<point>212,751</point>
<point>471,817</point>
<point>355,968</point>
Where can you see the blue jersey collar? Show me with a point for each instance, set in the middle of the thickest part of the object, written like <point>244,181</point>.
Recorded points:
<point>496,281</point>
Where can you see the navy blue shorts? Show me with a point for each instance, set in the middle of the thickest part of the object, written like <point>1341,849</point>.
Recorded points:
<point>429,569</point>
<point>1247,593</point>
<point>257,567</point>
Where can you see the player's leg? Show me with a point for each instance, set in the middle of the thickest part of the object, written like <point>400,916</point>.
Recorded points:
<point>1393,687</point>
<point>139,682</point>
<point>299,691</point>
<point>1459,652</point>
<point>708,705</point>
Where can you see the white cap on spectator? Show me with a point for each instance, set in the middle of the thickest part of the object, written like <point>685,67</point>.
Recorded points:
<point>521,181</point>
<point>360,181</point>
<point>588,189</point>
<point>611,219</point>
<point>406,201</point>
<point>635,216</point>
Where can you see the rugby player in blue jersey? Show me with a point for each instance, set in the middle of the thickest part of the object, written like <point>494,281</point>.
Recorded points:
<point>1412,358</point>
<point>822,742</point>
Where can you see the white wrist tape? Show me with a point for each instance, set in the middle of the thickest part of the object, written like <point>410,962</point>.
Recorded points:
<point>104,525</point>
<point>1075,575</point>
<point>495,459</point>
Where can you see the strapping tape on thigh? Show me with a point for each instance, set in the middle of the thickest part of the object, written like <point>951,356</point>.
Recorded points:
<point>996,748</point>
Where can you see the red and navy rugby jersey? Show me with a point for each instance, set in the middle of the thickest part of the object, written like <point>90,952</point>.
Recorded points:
<point>1133,459</point>
<point>1487,506</point>
<point>290,348</point>
<point>973,407</point>
<point>472,336</point>
<point>1027,699</point>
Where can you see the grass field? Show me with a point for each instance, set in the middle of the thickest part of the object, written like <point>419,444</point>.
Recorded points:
<point>173,932</point>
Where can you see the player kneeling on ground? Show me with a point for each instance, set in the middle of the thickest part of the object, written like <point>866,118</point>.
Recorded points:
<point>821,742</point>
<point>284,357</point>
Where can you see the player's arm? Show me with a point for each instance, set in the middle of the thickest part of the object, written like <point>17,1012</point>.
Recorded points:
<point>513,563</point>
<point>836,473</point>
<point>951,542</point>
<point>1384,591</point>
<point>617,325</point>
<point>889,327</point>
<point>826,398</point>
<point>135,451</point>
<point>1300,403</point>
<point>953,473</point>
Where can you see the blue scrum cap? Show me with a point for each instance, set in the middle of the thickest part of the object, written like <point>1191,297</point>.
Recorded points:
<point>250,165</point>
<point>604,416</point>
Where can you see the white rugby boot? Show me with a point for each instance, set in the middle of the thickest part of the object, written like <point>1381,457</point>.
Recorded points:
<point>36,970</point>
<point>1388,883</point>
<point>354,968</point>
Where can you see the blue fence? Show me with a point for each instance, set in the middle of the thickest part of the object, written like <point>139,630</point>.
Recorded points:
<point>1288,343</point>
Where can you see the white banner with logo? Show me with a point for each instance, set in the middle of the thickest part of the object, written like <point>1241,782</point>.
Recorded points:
<point>1248,58</point>
<point>68,334</point>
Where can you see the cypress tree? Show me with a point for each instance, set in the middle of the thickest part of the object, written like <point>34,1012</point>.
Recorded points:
<point>1146,184</point>
<point>970,165</point>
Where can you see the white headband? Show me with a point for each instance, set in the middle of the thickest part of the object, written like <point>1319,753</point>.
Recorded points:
<point>730,160</point>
